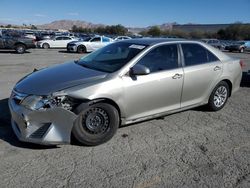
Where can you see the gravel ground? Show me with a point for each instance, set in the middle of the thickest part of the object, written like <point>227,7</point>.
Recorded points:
<point>194,148</point>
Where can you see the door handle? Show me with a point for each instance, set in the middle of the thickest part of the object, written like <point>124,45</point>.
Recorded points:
<point>217,68</point>
<point>177,76</point>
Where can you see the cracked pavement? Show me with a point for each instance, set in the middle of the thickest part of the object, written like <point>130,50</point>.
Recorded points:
<point>194,148</point>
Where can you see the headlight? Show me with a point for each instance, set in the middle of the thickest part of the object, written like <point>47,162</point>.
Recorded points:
<point>35,102</point>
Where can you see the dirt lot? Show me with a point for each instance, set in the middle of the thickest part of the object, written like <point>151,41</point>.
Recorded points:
<point>194,148</point>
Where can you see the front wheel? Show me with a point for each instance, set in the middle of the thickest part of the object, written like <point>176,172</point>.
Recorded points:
<point>241,50</point>
<point>95,124</point>
<point>81,49</point>
<point>20,48</point>
<point>219,96</point>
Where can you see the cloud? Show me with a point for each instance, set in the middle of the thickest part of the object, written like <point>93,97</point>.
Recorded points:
<point>73,14</point>
<point>40,15</point>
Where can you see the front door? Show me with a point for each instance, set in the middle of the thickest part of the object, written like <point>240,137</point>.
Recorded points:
<point>159,91</point>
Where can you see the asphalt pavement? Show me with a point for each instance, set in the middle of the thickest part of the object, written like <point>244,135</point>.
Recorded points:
<point>194,148</point>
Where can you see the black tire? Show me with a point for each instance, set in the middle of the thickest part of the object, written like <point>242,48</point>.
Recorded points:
<point>213,103</point>
<point>46,46</point>
<point>95,124</point>
<point>81,49</point>
<point>20,48</point>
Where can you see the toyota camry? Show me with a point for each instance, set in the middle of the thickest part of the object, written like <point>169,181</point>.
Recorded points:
<point>122,83</point>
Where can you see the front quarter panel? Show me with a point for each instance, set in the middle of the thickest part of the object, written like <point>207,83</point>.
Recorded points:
<point>109,89</point>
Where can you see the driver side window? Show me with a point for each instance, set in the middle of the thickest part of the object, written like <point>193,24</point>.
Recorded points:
<point>161,58</point>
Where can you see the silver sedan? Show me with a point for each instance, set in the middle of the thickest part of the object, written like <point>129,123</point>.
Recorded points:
<point>122,83</point>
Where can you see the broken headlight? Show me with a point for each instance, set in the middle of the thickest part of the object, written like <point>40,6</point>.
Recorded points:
<point>34,102</point>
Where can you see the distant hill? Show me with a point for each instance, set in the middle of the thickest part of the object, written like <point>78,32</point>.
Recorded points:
<point>68,24</point>
<point>200,27</point>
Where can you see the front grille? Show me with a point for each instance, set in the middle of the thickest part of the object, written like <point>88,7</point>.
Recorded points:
<point>39,133</point>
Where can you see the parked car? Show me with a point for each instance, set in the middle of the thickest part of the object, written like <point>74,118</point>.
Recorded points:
<point>56,42</point>
<point>89,44</point>
<point>122,38</point>
<point>122,83</point>
<point>214,42</point>
<point>30,34</point>
<point>18,43</point>
<point>240,46</point>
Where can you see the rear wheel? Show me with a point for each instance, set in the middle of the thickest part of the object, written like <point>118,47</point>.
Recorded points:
<point>81,49</point>
<point>219,96</point>
<point>46,46</point>
<point>95,124</point>
<point>20,48</point>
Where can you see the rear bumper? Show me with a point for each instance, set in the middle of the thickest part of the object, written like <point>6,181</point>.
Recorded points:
<point>28,46</point>
<point>46,127</point>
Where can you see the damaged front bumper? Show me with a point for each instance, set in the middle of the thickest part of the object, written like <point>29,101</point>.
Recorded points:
<point>48,127</point>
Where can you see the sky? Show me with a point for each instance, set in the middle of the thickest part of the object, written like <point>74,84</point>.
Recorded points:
<point>130,13</point>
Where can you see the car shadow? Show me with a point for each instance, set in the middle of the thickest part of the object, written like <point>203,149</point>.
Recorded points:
<point>7,134</point>
<point>66,52</point>
<point>12,52</point>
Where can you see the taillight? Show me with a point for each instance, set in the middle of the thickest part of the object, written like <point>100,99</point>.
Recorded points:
<point>242,64</point>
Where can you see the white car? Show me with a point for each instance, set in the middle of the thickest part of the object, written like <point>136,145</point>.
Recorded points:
<point>57,42</point>
<point>119,38</point>
<point>88,45</point>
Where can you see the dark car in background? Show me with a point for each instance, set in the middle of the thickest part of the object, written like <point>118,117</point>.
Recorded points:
<point>240,46</point>
<point>18,43</point>
<point>214,42</point>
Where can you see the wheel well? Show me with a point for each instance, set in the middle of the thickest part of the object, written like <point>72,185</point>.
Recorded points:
<point>230,86</point>
<point>46,43</point>
<point>21,44</point>
<point>82,46</point>
<point>109,101</point>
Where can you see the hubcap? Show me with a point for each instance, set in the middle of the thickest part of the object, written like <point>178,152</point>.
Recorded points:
<point>20,49</point>
<point>220,96</point>
<point>96,121</point>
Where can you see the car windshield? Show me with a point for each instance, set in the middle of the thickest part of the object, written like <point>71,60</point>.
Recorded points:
<point>111,57</point>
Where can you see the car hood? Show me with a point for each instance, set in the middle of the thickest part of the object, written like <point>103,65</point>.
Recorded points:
<point>56,78</point>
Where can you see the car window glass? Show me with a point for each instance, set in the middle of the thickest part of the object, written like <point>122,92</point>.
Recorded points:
<point>59,38</point>
<point>96,39</point>
<point>161,58</point>
<point>105,39</point>
<point>195,54</point>
<point>66,38</point>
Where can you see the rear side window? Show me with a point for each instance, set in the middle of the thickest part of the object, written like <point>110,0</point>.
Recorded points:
<point>96,39</point>
<point>195,54</point>
<point>161,58</point>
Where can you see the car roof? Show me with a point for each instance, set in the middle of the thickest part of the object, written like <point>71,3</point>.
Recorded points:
<point>152,41</point>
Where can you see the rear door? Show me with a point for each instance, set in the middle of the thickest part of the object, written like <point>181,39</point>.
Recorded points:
<point>159,91</point>
<point>202,70</point>
<point>65,41</point>
<point>96,43</point>
<point>57,43</point>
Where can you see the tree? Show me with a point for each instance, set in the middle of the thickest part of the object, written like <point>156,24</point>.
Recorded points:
<point>154,31</point>
<point>33,27</point>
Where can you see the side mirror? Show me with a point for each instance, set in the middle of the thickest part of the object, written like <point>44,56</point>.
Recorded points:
<point>139,70</point>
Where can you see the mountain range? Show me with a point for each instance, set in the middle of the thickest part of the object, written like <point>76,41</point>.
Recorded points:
<point>68,24</point>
